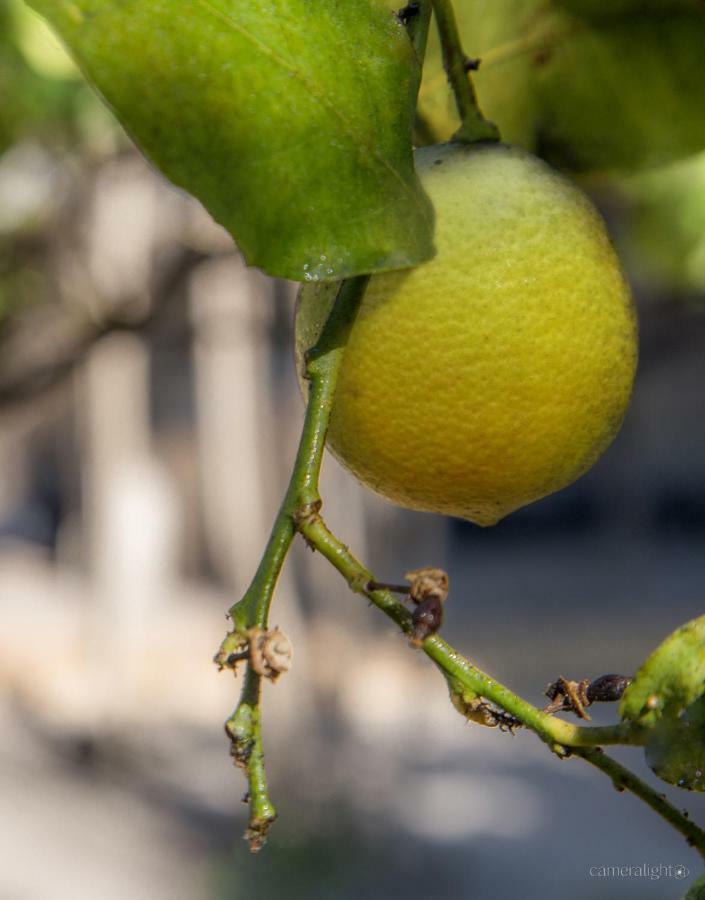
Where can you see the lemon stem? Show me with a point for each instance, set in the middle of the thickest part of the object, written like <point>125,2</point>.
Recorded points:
<point>473,125</point>
<point>624,780</point>
<point>301,499</point>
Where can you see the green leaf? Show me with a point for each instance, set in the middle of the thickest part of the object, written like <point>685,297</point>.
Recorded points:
<point>624,93</point>
<point>289,119</point>
<point>696,891</point>
<point>671,679</point>
<point>676,749</point>
<point>610,9</point>
<point>611,85</point>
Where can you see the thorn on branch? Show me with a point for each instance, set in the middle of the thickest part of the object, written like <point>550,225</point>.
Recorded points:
<point>472,65</point>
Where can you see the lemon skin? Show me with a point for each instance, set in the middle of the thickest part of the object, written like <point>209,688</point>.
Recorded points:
<point>499,371</point>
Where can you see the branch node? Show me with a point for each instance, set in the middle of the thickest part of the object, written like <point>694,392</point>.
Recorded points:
<point>306,514</point>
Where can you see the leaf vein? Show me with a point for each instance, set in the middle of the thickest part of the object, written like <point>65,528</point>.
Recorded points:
<point>317,95</point>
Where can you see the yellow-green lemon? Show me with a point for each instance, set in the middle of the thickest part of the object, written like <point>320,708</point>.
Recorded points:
<point>499,371</point>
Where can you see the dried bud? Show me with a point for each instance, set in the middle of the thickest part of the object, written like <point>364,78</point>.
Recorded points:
<point>426,619</point>
<point>568,696</point>
<point>607,688</point>
<point>270,652</point>
<point>427,582</point>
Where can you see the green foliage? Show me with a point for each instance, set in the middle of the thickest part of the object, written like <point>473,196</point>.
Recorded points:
<point>676,748</point>
<point>290,120</point>
<point>625,94</point>
<point>31,102</point>
<point>505,87</point>
<point>588,84</point>
<point>668,698</point>
<point>671,679</point>
<point>665,233</point>
<point>697,890</point>
<point>610,9</point>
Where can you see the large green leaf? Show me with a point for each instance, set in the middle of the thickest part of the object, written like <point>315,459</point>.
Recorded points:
<point>289,119</point>
<point>624,93</point>
<point>671,679</point>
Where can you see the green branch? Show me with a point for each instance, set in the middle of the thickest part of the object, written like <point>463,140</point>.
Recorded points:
<point>623,779</point>
<point>244,728</point>
<point>474,126</point>
<point>301,499</point>
<point>562,737</point>
<point>557,733</point>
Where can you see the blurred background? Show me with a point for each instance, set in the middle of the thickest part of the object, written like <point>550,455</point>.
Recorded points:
<point>148,417</point>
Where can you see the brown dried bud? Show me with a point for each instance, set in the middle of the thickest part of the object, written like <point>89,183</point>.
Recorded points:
<point>270,652</point>
<point>568,696</point>
<point>427,582</point>
<point>426,619</point>
<point>607,688</point>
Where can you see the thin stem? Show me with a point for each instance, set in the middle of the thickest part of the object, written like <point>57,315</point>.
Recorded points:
<point>300,501</point>
<point>418,18</point>
<point>244,728</point>
<point>474,126</point>
<point>323,363</point>
<point>558,734</point>
<point>623,779</point>
<point>555,732</point>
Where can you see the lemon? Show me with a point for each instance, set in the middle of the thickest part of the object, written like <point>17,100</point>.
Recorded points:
<point>499,371</point>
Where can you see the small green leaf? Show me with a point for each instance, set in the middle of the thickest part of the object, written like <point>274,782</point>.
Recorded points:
<point>671,679</point>
<point>676,748</point>
<point>697,890</point>
<point>289,119</point>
